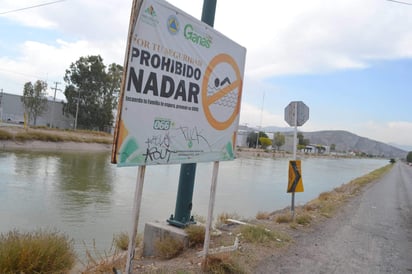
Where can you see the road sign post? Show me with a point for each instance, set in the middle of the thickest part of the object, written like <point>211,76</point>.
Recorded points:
<point>183,207</point>
<point>296,114</point>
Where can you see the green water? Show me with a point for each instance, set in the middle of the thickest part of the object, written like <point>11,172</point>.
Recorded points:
<point>89,199</point>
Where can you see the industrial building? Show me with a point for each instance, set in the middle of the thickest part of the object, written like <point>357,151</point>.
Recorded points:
<point>12,112</point>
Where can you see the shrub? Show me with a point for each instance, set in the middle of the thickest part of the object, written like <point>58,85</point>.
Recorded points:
<point>310,207</point>
<point>325,196</point>
<point>168,247</point>
<point>36,252</point>
<point>196,235</point>
<point>262,216</point>
<point>327,209</point>
<point>121,240</point>
<point>283,218</point>
<point>304,219</point>
<point>4,135</point>
<point>221,264</point>
<point>259,234</point>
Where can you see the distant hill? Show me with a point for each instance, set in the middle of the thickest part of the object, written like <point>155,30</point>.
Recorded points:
<point>347,141</point>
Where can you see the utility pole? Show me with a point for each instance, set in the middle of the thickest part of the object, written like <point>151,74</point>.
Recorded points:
<point>54,102</point>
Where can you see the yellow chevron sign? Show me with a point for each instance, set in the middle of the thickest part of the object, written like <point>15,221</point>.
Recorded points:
<point>295,178</point>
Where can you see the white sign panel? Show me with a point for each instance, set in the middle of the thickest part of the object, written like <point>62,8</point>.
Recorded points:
<point>182,94</point>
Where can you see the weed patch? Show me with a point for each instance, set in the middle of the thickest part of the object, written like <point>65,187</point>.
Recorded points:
<point>303,219</point>
<point>222,264</point>
<point>283,218</point>
<point>259,234</point>
<point>4,135</point>
<point>168,247</point>
<point>121,240</point>
<point>36,252</point>
<point>103,262</point>
<point>263,216</point>
<point>196,235</point>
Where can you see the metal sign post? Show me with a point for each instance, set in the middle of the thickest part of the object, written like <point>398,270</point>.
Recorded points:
<point>183,207</point>
<point>136,212</point>
<point>296,114</point>
<point>210,212</point>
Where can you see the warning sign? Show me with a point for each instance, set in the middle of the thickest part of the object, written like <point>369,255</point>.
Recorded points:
<point>227,92</point>
<point>295,178</point>
<point>182,91</point>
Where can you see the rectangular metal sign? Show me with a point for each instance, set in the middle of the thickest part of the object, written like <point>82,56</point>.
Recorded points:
<point>295,183</point>
<point>182,91</point>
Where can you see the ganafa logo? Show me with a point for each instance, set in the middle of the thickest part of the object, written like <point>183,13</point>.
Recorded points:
<point>173,25</point>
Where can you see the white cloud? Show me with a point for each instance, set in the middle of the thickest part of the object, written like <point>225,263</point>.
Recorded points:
<point>281,37</point>
<point>249,114</point>
<point>397,132</point>
<point>27,17</point>
<point>40,61</point>
<point>295,37</point>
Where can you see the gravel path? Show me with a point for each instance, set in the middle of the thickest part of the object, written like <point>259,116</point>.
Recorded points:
<point>371,234</point>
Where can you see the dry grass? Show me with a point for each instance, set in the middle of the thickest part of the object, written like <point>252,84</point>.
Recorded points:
<point>36,252</point>
<point>54,135</point>
<point>263,216</point>
<point>103,262</point>
<point>262,235</point>
<point>283,218</point>
<point>39,136</point>
<point>196,235</point>
<point>5,135</point>
<point>222,264</point>
<point>303,219</point>
<point>121,240</point>
<point>168,247</point>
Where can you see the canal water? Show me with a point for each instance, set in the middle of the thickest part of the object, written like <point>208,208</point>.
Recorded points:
<point>90,200</point>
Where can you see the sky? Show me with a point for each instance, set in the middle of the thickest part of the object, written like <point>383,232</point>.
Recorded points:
<point>349,61</point>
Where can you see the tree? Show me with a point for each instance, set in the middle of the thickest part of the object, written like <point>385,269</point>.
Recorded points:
<point>34,99</point>
<point>253,137</point>
<point>265,142</point>
<point>301,139</point>
<point>332,147</point>
<point>92,92</point>
<point>409,157</point>
<point>320,149</point>
<point>279,140</point>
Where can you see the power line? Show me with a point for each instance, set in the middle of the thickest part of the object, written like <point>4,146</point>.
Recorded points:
<point>400,2</point>
<point>31,7</point>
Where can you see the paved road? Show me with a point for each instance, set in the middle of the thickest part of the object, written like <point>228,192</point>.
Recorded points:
<point>372,234</point>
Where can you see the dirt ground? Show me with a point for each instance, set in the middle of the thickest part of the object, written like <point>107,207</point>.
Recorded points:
<point>371,233</point>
